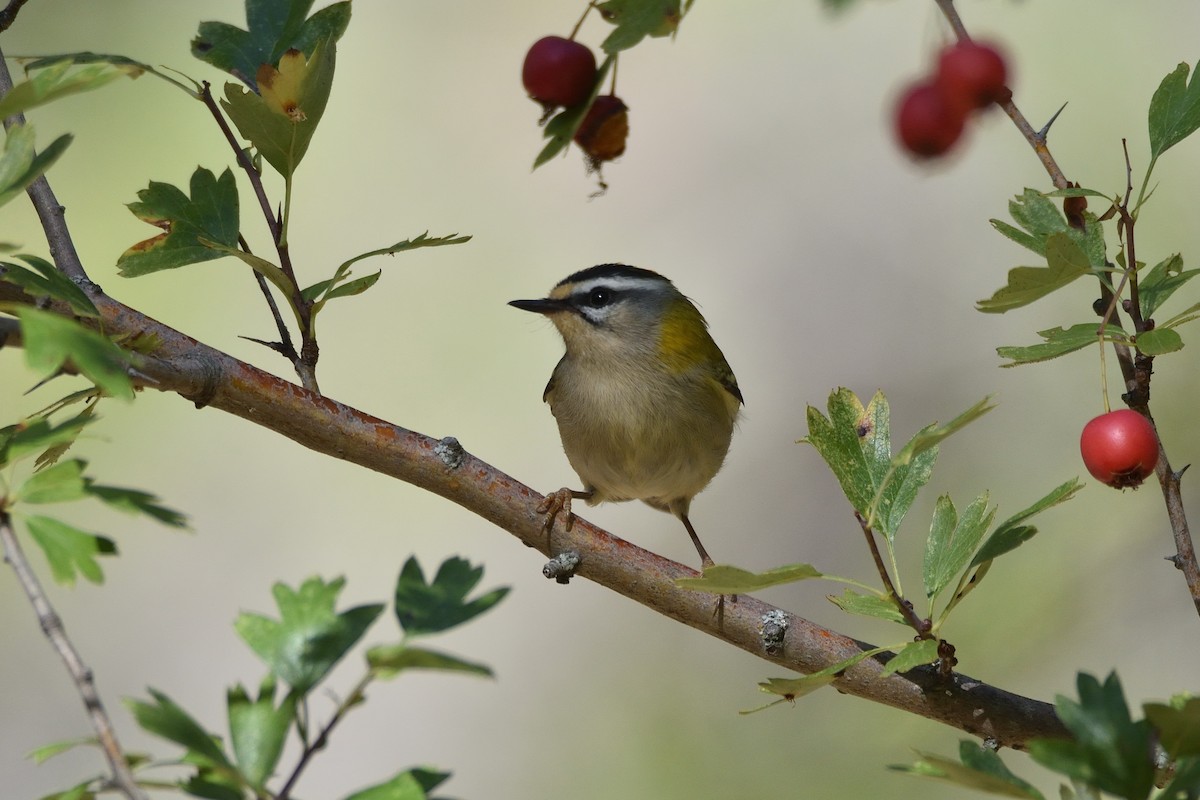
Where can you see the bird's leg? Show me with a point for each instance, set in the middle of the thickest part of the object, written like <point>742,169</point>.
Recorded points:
<point>560,501</point>
<point>705,559</point>
<point>706,562</point>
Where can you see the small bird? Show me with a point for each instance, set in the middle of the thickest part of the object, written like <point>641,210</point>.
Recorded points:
<point>644,399</point>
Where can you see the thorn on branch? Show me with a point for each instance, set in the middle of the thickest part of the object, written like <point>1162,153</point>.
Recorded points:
<point>1045,131</point>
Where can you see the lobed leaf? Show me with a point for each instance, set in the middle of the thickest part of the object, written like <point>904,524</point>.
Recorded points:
<point>1109,750</point>
<point>209,214</point>
<point>441,604</point>
<point>1066,261</point>
<point>273,27</point>
<point>309,637</point>
<point>1058,342</point>
<point>123,64</point>
<point>56,484</point>
<point>952,541</point>
<point>168,720</point>
<point>21,440</point>
<point>69,551</point>
<point>258,729</point>
<point>280,122</point>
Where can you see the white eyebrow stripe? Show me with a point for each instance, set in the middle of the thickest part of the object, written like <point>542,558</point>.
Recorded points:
<point>617,284</point>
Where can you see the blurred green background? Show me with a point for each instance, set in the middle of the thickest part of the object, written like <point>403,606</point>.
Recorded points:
<point>761,176</point>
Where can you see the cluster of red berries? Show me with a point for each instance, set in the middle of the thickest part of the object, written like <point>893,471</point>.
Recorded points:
<point>932,113</point>
<point>561,72</point>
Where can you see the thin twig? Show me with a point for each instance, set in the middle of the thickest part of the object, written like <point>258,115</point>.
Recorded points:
<point>81,674</point>
<point>1136,369</point>
<point>353,699</point>
<point>9,15</point>
<point>921,626</point>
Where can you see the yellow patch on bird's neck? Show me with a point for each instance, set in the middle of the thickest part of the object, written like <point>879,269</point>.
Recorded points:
<point>683,339</point>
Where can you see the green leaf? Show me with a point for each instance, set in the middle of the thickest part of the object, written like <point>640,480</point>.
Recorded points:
<point>123,64</point>
<point>281,121</point>
<point>1159,341</point>
<point>1178,728</point>
<point>1066,261</point>
<point>322,290</point>
<point>1058,342</point>
<point>933,435</point>
<point>855,442</point>
<point>1011,533</point>
<point>724,579</point>
<point>166,719</point>
<point>981,769</point>
<point>60,483</point>
<point>258,729</point>
<point>49,751</point>
<point>413,784</point>
<point>1160,282</point>
<point>21,164</point>
<point>868,605</point>
<point>952,541</point>
<point>47,281</point>
<point>561,129</point>
<point>81,791</point>
<point>135,501</point>
<point>309,638</point>
<point>1187,315</point>
<point>424,608</point>
<point>260,265</point>
<point>388,661</point>
<point>210,213</point>
<point>273,28</point>
<point>791,688</point>
<point>637,19</point>
<point>913,654</point>
<point>70,551</point>
<point>1109,750</point>
<point>55,81</point>
<point>1040,218</point>
<point>19,441</point>
<point>356,286</point>
<point>51,341</point>
<point>1174,111</point>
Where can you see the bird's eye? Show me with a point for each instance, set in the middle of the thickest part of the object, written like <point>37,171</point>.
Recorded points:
<point>599,297</point>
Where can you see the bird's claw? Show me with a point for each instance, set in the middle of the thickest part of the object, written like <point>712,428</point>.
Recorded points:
<point>554,504</point>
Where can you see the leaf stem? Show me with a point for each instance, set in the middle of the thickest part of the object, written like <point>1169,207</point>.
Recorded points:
<point>921,626</point>
<point>312,748</point>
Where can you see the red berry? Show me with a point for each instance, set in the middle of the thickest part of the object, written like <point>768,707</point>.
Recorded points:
<point>972,74</point>
<point>926,124</point>
<point>1119,448</point>
<point>558,71</point>
<point>604,129</point>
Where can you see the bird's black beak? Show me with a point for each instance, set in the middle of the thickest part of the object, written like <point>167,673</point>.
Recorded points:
<point>546,306</point>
